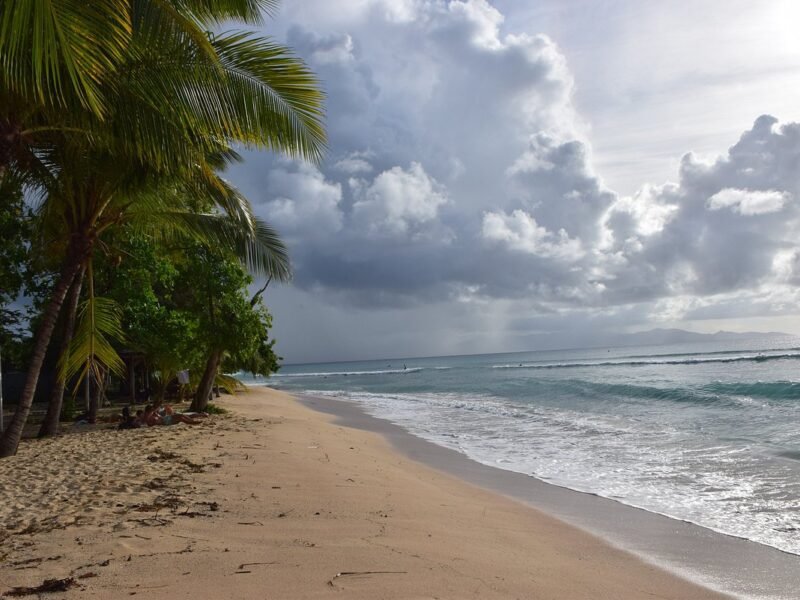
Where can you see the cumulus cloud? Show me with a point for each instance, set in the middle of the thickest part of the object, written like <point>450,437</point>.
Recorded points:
<point>720,229</point>
<point>459,172</point>
<point>520,231</point>
<point>748,203</point>
<point>303,201</point>
<point>554,180</point>
<point>397,202</point>
<point>355,163</point>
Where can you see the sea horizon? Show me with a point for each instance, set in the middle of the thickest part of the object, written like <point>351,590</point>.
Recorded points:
<point>705,337</point>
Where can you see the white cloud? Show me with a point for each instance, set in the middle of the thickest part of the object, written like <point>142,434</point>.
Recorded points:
<point>336,49</point>
<point>482,19</point>
<point>519,231</point>
<point>554,181</point>
<point>398,201</point>
<point>355,163</point>
<point>747,202</point>
<point>648,211</point>
<point>303,201</point>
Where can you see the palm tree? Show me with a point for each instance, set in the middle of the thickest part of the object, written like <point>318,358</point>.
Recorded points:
<point>52,416</point>
<point>92,196</point>
<point>165,101</point>
<point>66,62</point>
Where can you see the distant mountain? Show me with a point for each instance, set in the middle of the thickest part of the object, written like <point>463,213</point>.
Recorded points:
<point>654,337</point>
<point>657,337</point>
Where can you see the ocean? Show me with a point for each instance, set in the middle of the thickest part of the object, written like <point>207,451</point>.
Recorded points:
<point>707,432</point>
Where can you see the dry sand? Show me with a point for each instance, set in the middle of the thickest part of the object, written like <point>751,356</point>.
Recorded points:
<point>286,505</point>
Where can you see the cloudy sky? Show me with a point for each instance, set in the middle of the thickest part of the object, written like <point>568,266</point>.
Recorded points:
<point>515,175</point>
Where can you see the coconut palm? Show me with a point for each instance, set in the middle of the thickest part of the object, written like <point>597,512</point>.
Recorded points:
<point>171,98</point>
<point>52,416</point>
<point>92,196</point>
<point>66,63</point>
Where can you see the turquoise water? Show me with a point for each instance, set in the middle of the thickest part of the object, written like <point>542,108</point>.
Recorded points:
<point>704,432</point>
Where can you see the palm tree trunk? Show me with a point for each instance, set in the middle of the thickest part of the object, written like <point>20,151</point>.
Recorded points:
<point>50,424</point>
<point>9,441</point>
<point>204,389</point>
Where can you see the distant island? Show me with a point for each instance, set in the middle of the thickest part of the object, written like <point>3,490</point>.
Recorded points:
<point>564,340</point>
<point>654,337</point>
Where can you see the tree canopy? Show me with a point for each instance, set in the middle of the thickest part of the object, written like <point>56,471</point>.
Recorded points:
<point>117,118</point>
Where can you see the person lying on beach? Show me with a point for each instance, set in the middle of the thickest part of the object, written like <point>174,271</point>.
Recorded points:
<point>152,418</point>
<point>166,409</point>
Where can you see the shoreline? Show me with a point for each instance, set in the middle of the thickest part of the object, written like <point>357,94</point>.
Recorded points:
<point>290,504</point>
<point>711,558</point>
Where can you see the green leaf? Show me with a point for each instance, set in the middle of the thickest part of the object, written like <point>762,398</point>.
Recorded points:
<point>53,50</point>
<point>90,349</point>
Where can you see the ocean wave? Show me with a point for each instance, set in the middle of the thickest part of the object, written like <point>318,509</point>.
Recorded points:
<point>773,390</point>
<point>399,405</point>
<point>346,373</point>
<point>755,351</point>
<point>637,363</point>
<point>638,392</point>
<point>633,392</point>
<point>718,393</point>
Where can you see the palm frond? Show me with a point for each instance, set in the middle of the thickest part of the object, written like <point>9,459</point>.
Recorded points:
<point>288,110</point>
<point>168,212</point>
<point>266,254</point>
<point>218,11</point>
<point>259,248</point>
<point>57,51</point>
<point>255,93</point>
<point>229,382</point>
<point>157,22</point>
<point>100,319</point>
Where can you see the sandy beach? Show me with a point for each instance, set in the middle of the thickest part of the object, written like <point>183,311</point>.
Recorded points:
<point>278,501</point>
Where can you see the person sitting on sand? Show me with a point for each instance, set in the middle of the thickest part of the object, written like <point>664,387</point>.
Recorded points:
<point>128,421</point>
<point>162,409</point>
<point>151,418</point>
